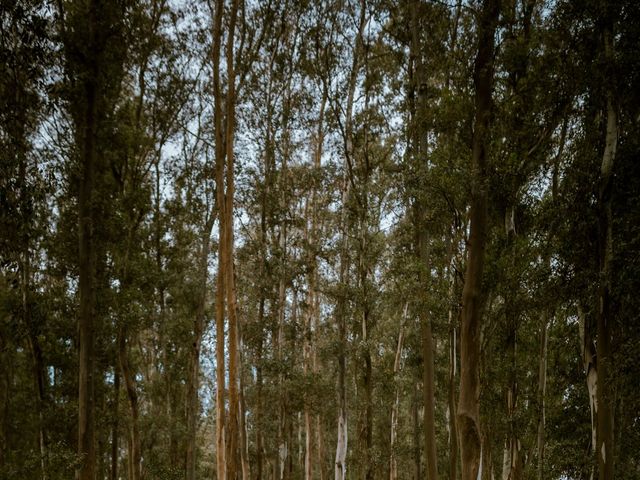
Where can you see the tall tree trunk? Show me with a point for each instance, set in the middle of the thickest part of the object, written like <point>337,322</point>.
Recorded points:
<point>33,342</point>
<point>415,413</point>
<point>87,130</point>
<point>192,403</point>
<point>342,441</point>
<point>308,360</point>
<point>420,151</point>
<point>230,287</point>
<point>513,468</point>
<point>589,361</point>
<point>320,449</point>
<point>283,444</point>
<point>468,413</point>
<point>542,391</point>
<point>453,430</point>
<point>6,381</point>
<point>221,466</point>
<point>605,393</point>
<point>395,409</point>
<point>115,425</point>
<point>244,435</point>
<point>135,446</point>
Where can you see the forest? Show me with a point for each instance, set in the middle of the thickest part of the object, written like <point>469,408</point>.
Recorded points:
<point>319,239</point>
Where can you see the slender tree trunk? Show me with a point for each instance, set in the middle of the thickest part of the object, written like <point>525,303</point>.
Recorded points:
<point>115,425</point>
<point>314,287</point>
<point>192,403</point>
<point>468,413</point>
<point>512,469</point>
<point>87,266</point>
<point>605,392</point>
<point>453,430</point>
<point>283,439</point>
<point>486,461</point>
<point>342,441</point>
<point>40,384</point>
<point>6,382</point>
<point>589,359</point>
<point>320,449</point>
<point>308,441</point>
<point>283,444</point>
<point>395,409</point>
<point>417,473</point>
<point>422,247</point>
<point>542,391</point>
<point>135,450</point>
<point>259,357</point>
<point>244,436</point>
<point>307,369</point>
<point>221,466</point>
<point>33,343</point>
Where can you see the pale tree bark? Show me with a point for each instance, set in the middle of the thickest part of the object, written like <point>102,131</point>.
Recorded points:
<point>589,362</point>
<point>605,391</point>
<point>342,433</point>
<point>468,413</point>
<point>395,409</point>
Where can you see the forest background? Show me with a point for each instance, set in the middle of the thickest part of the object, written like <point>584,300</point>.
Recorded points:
<point>319,238</point>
